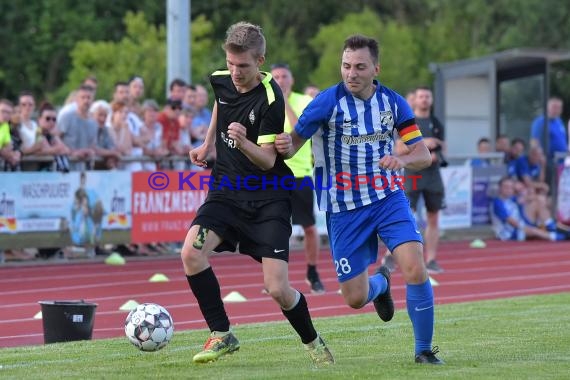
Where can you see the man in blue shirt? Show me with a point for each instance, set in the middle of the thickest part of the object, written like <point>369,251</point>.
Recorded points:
<point>352,125</point>
<point>530,170</point>
<point>557,136</point>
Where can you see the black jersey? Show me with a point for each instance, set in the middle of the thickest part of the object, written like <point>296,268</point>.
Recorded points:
<point>262,111</point>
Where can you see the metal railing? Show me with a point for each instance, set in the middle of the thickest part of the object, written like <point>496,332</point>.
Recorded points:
<point>165,161</point>
<point>492,157</point>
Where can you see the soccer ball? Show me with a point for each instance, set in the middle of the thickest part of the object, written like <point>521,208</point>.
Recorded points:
<point>149,327</point>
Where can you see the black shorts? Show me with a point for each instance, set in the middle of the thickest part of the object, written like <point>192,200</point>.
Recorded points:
<point>262,228</point>
<point>434,200</point>
<point>430,185</point>
<point>302,201</point>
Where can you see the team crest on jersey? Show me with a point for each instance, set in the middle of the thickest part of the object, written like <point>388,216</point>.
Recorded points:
<point>386,119</point>
<point>252,117</point>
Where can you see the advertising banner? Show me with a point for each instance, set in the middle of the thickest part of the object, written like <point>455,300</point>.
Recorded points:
<point>81,204</point>
<point>35,201</point>
<point>457,183</point>
<point>485,180</point>
<point>164,204</point>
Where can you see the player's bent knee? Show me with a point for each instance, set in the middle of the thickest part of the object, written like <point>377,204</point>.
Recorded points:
<point>355,301</point>
<point>414,272</point>
<point>279,294</point>
<point>190,254</point>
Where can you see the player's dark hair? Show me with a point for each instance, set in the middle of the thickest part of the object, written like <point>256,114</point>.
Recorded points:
<point>358,41</point>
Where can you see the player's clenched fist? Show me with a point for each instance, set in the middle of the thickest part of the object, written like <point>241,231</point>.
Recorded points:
<point>283,144</point>
<point>391,163</point>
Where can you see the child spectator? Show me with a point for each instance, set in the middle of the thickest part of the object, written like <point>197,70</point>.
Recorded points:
<point>483,147</point>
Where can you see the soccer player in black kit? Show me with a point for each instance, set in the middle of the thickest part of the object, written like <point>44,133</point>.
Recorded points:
<point>246,203</point>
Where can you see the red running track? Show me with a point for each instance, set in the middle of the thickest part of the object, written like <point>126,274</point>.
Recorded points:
<point>503,269</point>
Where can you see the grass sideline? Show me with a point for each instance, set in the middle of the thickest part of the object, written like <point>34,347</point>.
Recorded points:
<point>516,338</point>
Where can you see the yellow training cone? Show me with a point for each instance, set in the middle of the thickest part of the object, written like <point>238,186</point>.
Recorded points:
<point>158,277</point>
<point>234,297</point>
<point>129,305</point>
<point>478,243</point>
<point>115,259</point>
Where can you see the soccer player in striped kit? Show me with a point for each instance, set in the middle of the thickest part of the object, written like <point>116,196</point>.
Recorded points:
<point>352,125</point>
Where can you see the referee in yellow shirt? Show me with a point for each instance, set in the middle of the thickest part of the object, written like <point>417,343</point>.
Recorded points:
<point>301,164</point>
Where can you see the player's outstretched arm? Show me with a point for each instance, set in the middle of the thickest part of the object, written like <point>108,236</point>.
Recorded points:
<point>199,155</point>
<point>287,144</point>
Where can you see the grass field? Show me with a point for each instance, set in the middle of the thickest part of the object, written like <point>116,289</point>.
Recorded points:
<point>516,338</point>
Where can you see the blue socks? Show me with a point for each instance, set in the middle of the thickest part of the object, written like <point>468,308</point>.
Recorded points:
<point>377,285</point>
<point>419,301</point>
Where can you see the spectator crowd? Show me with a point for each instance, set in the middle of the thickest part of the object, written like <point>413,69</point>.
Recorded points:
<point>90,134</point>
<point>521,209</point>
<point>126,132</point>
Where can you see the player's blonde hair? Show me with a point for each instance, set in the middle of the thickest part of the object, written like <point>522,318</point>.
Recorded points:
<point>242,37</point>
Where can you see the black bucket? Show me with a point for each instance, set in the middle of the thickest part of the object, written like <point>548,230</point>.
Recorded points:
<point>66,321</point>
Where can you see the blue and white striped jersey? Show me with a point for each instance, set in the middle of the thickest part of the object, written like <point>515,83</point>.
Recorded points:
<point>501,210</point>
<point>349,137</point>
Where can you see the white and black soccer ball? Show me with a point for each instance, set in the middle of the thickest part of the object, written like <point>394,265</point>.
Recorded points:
<point>149,327</point>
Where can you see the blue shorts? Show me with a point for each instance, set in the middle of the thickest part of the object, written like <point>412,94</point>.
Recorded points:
<point>354,234</point>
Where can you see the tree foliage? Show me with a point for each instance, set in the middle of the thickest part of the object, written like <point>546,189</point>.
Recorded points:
<point>398,50</point>
<point>142,52</point>
<point>47,42</point>
<point>39,35</point>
